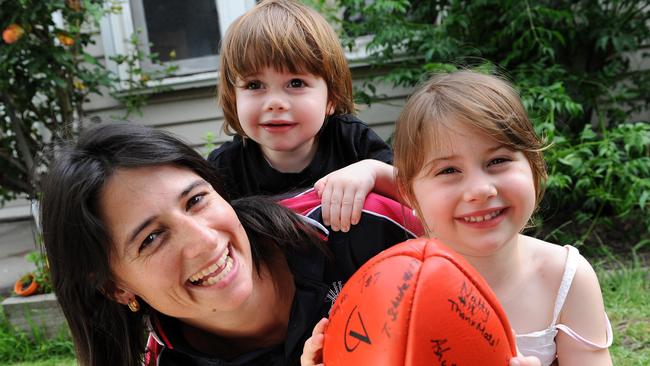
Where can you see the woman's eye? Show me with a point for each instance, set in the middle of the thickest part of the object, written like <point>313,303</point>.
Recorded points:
<point>194,200</point>
<point>148,241</point>
<point>446,171</point>
<point>253,85</point>
<point>296,83</point>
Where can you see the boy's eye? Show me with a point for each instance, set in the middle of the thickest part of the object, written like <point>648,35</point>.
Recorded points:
<point>253,85</point>
<point>296,83</point>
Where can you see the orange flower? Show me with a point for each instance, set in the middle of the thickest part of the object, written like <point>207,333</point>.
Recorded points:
<point>12,33</point>
<point>65,40</point>
<point>74,4</point>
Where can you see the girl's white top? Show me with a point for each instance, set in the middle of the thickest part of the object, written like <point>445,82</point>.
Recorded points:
<point>541,343</point>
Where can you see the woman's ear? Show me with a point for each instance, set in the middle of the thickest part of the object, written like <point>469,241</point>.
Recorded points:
<point>122,296</point>
<point>118,293</point>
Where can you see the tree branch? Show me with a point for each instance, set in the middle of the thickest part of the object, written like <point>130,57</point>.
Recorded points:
<point>21,143</point>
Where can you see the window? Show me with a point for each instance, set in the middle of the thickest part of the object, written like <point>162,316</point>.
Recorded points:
<point>186,34</point>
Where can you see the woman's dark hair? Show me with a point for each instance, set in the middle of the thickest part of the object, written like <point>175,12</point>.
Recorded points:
<point>78,245</point>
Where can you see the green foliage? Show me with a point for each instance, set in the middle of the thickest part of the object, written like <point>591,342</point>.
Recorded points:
<point>626,292</point>
<point>46,76</point>
<point>16,346</point>
<point>575,64</point>
<point>42,272</point>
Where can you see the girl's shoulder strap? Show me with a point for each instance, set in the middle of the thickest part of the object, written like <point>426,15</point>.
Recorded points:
<point>569,272</point>
<point>567,278</point>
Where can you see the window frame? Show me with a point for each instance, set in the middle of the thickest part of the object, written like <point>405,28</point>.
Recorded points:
<point>117,29</point>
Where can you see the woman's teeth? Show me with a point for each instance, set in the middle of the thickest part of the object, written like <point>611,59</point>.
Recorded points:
<point>224,263</point>
<point>482,218</point>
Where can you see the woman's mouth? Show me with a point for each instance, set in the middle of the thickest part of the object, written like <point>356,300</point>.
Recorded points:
<point>215,273</point>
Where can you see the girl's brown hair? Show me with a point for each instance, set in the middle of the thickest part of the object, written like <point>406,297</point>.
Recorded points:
<point>484,102</point>
<point>286,36</point>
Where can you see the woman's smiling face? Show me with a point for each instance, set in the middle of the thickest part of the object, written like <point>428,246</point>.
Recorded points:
<point>177,244</point>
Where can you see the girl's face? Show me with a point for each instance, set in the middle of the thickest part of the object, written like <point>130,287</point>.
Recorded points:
<point>475,194</point>
<point>177,244</point>
<point>282,112</point>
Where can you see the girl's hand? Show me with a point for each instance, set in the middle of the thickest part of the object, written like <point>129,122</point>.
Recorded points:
<point>312,353</point>
<point>525,361</point>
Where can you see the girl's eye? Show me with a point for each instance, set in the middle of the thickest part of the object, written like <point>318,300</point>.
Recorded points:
<point>498,161</point>
<point>297,83</point>
<point>253,85</point>
<point>446,171</point>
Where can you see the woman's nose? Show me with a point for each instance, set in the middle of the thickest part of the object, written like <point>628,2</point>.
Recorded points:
<point>197,237</point>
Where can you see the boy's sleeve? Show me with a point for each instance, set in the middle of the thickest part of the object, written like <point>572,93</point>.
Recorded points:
<point>222,160</point>
<point>375,147</point>
<point>367,143</point>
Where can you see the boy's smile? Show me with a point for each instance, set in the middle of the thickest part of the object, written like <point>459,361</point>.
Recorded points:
<point>283,112</point>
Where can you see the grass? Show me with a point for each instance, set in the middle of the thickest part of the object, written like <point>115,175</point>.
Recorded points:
<point>625,286</point>
<point>626,291</point>
<point>18,348</point>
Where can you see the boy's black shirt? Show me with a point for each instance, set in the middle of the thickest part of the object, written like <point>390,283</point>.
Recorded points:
<point>343,140</point>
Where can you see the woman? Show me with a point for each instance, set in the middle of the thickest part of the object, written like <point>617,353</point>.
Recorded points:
<point>138,238</point>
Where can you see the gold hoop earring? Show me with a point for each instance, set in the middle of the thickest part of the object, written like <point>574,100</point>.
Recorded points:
<point>133,305</point>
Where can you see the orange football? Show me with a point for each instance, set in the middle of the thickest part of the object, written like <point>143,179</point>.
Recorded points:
<point>417,303</point>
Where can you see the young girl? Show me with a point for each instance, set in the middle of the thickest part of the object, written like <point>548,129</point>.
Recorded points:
<point>475,179</point>
<point>286,93</point>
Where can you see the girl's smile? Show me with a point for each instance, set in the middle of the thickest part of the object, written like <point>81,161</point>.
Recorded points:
<point>474,194</point>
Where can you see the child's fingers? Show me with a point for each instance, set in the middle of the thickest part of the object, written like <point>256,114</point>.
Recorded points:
<point>357,207</point>
<point>320,185</point>
<point>347,207</point>
<point>320,326</point>
<point>312,351</point>
<point>525,361</point>
<point>335,200</point>
<point>325,204</point>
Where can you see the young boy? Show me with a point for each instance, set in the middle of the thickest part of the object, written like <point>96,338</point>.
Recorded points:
<point>286,93</point>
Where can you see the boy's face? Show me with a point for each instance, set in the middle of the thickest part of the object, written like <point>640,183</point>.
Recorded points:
<point>283,112</point>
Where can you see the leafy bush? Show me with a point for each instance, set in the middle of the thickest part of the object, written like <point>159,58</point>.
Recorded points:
<point>46,76</point>
<point>576,66</point>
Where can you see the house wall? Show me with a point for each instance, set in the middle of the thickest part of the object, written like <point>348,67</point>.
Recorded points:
<point>190,111</point>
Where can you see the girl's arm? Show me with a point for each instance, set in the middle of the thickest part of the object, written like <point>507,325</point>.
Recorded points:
<point>584,313</point>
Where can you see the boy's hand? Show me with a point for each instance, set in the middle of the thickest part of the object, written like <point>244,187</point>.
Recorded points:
<point>312,353</point>
<point>343,192</point>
